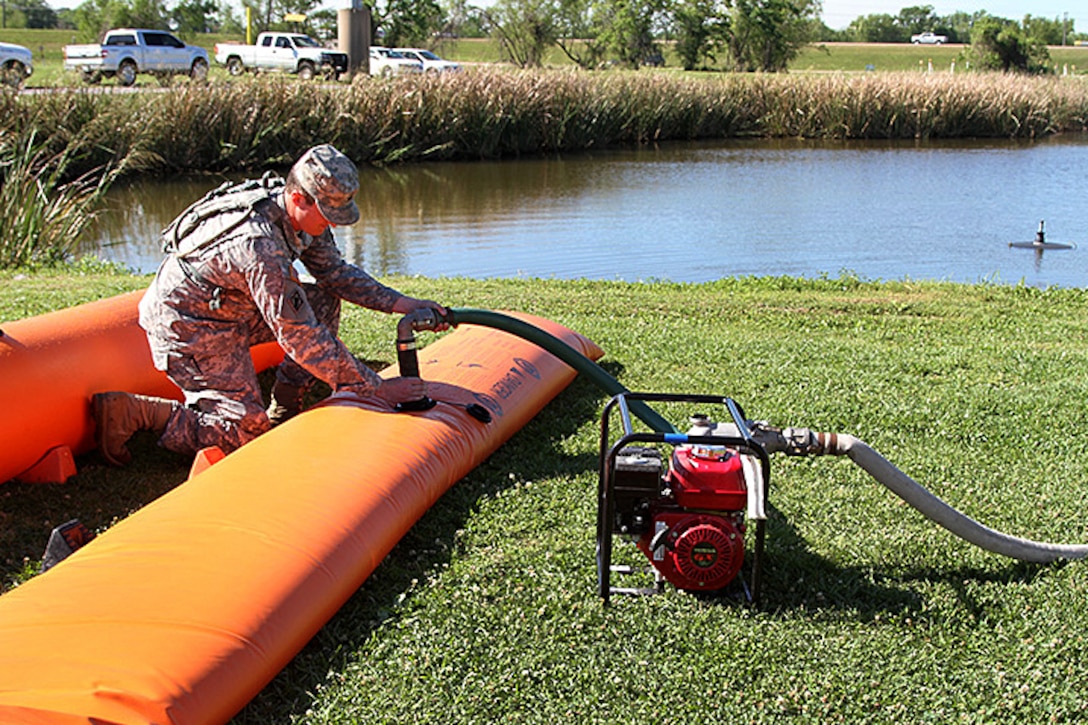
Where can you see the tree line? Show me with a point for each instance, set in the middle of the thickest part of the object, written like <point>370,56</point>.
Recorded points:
<point>993,42</point>
<point>738,35</point>
<point>957,27</point>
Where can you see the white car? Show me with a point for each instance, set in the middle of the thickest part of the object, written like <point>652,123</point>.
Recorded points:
<point>16,64</point>
<point>928,38</point>
<point>431,62</point>
<point>388,62</point>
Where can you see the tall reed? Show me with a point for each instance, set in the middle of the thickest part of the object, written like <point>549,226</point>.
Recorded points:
<point>42,215</point>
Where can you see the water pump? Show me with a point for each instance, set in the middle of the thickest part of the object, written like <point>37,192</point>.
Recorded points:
<point>697,519</point>
<point>687,512</point>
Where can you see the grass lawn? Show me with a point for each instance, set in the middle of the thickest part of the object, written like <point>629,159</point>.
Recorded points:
<point>487,610</point>
<point>877,57</point>
<point>906,57</point>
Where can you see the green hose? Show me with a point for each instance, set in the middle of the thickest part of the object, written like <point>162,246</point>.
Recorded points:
<point>564,352</point>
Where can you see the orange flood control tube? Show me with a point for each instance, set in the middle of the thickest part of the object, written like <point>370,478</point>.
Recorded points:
<point>51,364</point>
<point>182,612</point>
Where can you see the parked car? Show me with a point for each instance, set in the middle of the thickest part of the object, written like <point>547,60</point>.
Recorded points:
<point>16,64</point>
<point>431,62</point>
<point>288,52</point>
<point>928,38</point>
<point>125,52</point>
<point>653,59</point>
<point>388,62</point>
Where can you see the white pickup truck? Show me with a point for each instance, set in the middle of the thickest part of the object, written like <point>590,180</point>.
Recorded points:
<point>287,52</point>
<point>126,52</point>
<point>928,38</point>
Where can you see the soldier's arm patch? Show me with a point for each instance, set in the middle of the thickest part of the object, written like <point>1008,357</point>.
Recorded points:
<point>294,306</point>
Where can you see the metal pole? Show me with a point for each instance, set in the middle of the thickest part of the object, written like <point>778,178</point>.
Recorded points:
<point>353,36</point>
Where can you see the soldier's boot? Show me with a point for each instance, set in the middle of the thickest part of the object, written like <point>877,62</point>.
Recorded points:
<point>286,402</point>
<point>118,415</point>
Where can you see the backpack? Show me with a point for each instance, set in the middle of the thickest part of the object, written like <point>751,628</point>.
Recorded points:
<point>217,214</point>
<point>212,218</point>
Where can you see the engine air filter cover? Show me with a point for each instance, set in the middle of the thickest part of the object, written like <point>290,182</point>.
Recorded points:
<point>708,477</point>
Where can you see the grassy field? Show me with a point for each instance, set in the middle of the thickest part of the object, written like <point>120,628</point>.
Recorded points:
<point>487,610</point>
<point>905,57</point>
<point>48,45</point>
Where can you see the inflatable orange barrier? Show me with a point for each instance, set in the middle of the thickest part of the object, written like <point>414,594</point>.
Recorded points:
<point>184,611</point>
<point>51,364</point>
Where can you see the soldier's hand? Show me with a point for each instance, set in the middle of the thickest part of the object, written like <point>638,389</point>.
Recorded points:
<point>401,390</point>
<point>407,304</point>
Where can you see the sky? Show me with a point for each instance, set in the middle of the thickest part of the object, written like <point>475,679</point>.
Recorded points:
<point>838,14</point>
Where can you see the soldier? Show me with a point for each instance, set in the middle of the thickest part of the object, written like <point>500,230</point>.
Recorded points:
<point>228,282</point>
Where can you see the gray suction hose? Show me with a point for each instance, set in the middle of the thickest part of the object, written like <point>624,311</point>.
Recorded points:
<point>801,441</point>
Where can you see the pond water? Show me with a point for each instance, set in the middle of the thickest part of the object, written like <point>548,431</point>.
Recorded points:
<point>692,212</point>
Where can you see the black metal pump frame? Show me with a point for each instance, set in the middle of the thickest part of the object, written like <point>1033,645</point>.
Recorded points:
<point>608,453</point>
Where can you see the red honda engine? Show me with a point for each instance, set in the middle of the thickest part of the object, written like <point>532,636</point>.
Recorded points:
<point>697,538</point>
<point>688,520</point>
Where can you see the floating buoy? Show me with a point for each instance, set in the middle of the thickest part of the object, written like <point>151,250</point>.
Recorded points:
<point>1040,242</point>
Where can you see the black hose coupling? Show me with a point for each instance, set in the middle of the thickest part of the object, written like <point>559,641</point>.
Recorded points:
<point>795,441</point>
<point>805,442</point>
<point>407,359</point>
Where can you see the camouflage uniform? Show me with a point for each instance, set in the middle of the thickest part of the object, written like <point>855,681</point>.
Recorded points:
<point>210,302</point>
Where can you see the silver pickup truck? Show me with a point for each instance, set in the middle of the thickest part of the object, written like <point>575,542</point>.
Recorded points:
<point>125,52</point>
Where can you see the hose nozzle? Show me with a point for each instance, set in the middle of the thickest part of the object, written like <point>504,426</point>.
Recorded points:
<point>424,318</point>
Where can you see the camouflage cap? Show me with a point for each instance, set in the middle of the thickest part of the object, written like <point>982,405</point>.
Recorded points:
<point>332,180</point>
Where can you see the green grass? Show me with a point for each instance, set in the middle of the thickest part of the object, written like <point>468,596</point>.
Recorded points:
<point>43,215</point>
<point>487,610</point>
<point>896,57</point>
<point>881,56</point>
